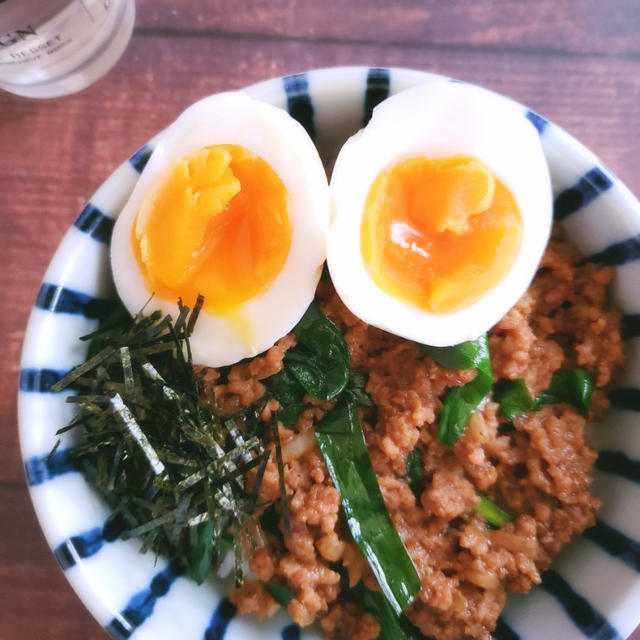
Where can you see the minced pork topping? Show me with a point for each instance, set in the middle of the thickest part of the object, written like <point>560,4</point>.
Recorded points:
<point>536,466</point>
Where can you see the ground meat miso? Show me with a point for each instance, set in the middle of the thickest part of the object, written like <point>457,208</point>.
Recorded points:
<point>536,467</point>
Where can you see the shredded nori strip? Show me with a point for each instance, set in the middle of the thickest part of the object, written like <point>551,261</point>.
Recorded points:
<point>283,490</point>
<point>157,449</point>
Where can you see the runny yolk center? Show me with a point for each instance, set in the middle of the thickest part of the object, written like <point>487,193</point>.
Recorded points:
<point>217,223</point>
<point>439,233</point>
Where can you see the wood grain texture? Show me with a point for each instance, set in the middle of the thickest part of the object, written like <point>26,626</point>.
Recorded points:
<point>562,26</point>
<point>578,63</point>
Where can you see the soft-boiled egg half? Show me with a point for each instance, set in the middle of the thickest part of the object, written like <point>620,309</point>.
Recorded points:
<point>234,205</point>
<point>441,210</point>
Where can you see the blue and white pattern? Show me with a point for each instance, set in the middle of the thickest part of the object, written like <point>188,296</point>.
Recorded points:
<point>593,589</point>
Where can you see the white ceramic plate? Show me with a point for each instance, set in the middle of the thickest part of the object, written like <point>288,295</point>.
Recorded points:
<point>593,588</point>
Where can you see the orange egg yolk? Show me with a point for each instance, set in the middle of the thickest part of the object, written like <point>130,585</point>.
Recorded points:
<point>217,224</point>
<point>439,233</point>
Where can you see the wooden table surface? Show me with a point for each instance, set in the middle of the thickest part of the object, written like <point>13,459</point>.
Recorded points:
<point>575,61</point>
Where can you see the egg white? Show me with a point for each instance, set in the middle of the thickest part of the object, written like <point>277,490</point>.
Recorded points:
<point>271,133</point>
<point>435,120</point>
